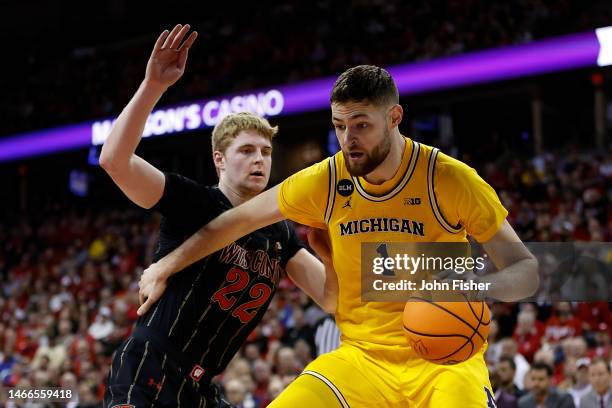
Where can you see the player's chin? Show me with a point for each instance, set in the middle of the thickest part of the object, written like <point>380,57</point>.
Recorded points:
<point>256,184</point>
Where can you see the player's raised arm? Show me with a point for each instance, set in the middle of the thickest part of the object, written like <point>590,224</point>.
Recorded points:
<point>140,181</point>
<point>252,215</point>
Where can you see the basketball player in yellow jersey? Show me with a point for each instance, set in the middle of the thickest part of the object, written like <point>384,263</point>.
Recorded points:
<point>382,187</point>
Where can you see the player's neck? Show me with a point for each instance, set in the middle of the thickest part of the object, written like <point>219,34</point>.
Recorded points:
<point>234,195</point>
<point>387,169</point>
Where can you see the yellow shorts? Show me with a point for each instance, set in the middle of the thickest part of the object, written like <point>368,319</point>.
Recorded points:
<point>360,375</point>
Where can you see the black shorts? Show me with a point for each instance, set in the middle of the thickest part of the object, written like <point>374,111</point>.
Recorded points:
<point>143,374</point>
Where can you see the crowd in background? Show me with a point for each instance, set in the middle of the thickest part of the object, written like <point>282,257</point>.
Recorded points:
<point>259,45</point>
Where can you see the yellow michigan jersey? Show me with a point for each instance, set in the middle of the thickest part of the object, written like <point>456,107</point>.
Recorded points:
<point>431,198</point>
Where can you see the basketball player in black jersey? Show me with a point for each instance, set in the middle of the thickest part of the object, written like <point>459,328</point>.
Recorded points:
<point>206,313</point>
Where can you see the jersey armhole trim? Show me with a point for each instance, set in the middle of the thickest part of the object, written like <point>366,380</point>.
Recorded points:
<point>433,201</point>
<point>331,189</point>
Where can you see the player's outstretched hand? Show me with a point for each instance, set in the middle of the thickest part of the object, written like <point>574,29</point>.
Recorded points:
<point>152,285</point>
<point>167,62</point>
<point>318,240</point>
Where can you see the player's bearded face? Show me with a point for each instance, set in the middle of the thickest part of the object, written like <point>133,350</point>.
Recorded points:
<point>363,135</point>
<point>367,160</point>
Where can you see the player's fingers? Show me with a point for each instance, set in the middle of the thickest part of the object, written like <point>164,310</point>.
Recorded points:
<point>189,41</point>
<point>141,297</point>
<point>183,58</point>
<point>171,36</point>
<point>179,36</point>
<point>144,307</point>
<point>160,40</point>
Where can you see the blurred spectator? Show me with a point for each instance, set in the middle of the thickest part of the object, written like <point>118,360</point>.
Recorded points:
<point>600,377</point>
<point>506,392</point>
<point>102,326</point>
<point>602,342</point>
<point>526,334</point>
<point>562,324</point>
<point>262,374</point>
<point>542,393</point>
<point>287,363</point>
<point>50,352</point>
<point>581,385</point>
<point>509,349</point>
<point>492,355</point>
<point>235,392</point>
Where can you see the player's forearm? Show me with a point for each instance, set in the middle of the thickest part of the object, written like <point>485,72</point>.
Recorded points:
<point>127,130</point>
<point>514,283</point>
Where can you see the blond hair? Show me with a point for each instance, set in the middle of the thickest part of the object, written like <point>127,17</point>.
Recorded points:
<point>228,128</point>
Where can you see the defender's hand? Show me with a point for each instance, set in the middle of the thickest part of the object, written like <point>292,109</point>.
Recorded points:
<point>152,285</point>
<point>167,62</point>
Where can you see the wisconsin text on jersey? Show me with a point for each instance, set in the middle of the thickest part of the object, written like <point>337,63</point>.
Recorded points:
<point>256,261</point>
<point>382,225</point>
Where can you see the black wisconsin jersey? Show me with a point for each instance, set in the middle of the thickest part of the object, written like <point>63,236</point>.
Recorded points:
<point>209,309</point>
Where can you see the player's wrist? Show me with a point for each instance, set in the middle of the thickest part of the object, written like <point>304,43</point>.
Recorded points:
<point>152,85</point>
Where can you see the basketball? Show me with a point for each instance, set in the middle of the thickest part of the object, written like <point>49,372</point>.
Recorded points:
<point>446,332</point>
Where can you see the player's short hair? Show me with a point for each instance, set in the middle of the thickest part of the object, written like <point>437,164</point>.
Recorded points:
<point>228,128</point>
<point>365,82</point>
<point>539,366</point>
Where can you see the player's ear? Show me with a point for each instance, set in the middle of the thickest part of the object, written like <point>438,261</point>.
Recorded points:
<point>396,113</point>
<point>219,160</point>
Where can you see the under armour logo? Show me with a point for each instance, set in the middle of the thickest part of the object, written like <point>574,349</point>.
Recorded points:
<point>152,383</point>
<point>348,203</point>
<point>196,373</point>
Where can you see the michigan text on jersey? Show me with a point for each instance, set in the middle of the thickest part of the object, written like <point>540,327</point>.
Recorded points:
<point>382,225</point>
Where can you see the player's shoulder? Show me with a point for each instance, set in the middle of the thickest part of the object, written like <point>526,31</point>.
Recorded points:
<point>447,167</point>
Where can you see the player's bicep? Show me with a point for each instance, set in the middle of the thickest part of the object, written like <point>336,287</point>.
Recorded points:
<point>467,200</point>
<point>140,181</point>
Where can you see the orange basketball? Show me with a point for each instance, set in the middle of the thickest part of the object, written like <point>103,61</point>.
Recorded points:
<point>446,332</point>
